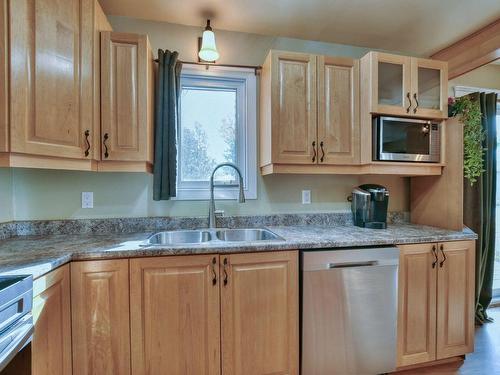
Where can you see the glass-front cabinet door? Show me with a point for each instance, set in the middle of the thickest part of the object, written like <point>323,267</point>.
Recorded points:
<point>429,88</point>
<point>391,89</point>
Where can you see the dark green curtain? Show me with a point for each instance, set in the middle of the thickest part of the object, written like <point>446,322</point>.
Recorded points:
<point>480,207</point>
<point>166,103</point>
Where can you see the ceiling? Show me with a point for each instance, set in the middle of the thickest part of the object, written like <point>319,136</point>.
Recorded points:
<point>420,27</point>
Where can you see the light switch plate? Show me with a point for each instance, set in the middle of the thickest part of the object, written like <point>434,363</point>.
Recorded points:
<point>306,196</point>
<point>87,199</point>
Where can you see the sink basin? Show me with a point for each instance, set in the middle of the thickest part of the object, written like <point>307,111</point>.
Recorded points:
<point>253,234</point>
<point>179,237</point>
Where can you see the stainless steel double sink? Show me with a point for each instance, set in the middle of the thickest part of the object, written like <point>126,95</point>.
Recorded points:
<point>198,236</point>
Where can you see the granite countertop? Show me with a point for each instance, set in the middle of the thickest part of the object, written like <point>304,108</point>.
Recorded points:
<point>38,255</point>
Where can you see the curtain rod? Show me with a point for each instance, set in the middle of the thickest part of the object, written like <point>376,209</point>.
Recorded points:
<point>208,65</point>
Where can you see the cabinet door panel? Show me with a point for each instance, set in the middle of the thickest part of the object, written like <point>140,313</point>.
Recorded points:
<point>260,314</point>
<point>294,108</point>
<point>51,78</point>
<point>455,299</point>
<point>429,88</point>
<point>175,315</point>
<point>417,304</point>
<point>391,84</point>
<point>100,309</point>
<point>338,110</point>
<point>51,344</point>
<point>125,74</point>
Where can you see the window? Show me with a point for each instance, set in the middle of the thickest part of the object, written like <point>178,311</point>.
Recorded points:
<point>217,123</point>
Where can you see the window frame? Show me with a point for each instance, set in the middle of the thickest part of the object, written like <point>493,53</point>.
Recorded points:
<point>244,82</point>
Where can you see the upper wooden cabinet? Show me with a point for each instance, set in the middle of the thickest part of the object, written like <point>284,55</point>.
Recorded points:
<point>51,84</point>
<point>51,344</point>
<point>404,86</point>
<point>58,82</point>
<point>436,301</point>
<point>127,102</point>
<point>309,111</point>
<point>338,110</point>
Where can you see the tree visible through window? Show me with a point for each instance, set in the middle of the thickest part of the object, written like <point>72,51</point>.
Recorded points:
<point>208,133</point>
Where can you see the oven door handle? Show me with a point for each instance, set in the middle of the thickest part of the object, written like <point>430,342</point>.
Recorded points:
<point>19,336</point>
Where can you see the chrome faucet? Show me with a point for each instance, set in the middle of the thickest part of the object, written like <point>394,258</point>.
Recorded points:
<point>241,199</point>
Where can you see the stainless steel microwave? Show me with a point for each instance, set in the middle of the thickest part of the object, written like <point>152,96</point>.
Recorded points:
<point>406,139</point>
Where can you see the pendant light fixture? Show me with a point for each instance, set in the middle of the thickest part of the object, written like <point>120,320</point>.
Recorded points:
<point>208,51</point>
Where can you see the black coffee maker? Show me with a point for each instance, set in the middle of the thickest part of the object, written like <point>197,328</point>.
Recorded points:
<point>369,206</point>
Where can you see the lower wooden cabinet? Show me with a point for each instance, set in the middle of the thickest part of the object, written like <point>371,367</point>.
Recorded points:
<point>100,317</point>
<point>259,305</point>
<point>51,344</point>
<point>436,301</point>
<point>175,316</point>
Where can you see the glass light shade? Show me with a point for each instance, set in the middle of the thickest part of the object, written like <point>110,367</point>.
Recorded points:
<point>208,50</point>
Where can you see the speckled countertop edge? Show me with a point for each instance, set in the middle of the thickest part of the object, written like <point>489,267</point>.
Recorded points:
<point>38,255</point>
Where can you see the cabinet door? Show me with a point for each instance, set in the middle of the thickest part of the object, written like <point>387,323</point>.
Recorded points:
<point>259,305</point>
<point>294,127</point>
<point>175,317</point>
<point>100,310</point>
<point>417,304</point>
<point>455,299</point>
<point>51,77</point>
<point>126,126</point>
<point>338,110</point>
<point>391,84</point>
<point>51,344</point>
<point>429,88</point>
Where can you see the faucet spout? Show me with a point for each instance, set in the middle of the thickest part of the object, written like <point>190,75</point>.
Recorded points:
<point>241,198</point>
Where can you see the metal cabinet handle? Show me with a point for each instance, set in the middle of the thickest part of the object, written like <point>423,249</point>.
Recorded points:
<point>416,101</point>
<point>322,152</point>
<point>106,137</point>
<point>434,252</point>
<point>225,271</point>
<point>314,150</point>
<point>87,134</point>
<point>441,247</point>
<point>214,274</point>
<point>409,100</point>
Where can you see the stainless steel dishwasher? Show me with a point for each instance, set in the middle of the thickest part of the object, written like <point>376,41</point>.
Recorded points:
<point>349,311</point>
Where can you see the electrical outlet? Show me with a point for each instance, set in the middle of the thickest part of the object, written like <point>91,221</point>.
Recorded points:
<point>306,196</point>
<point>87,199</point>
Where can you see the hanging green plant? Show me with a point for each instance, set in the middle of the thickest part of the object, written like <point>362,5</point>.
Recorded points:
<point>469,113</point>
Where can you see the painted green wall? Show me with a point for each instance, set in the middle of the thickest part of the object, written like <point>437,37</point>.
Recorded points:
<point>41,194</point>
<point>6,213</point>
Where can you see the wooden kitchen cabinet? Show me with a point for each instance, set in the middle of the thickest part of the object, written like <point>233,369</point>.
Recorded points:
<point>455,299</point>
<point>127,102</point>
<point>51,344</point>
<point>175,315</point>
<point>309,112</point>
<point>49,93</point>
<point>338,110</point>
<point>288,109</point>
<point>100,317</point>
<point>417,304</point>
<point>436,301</point>
<point>404,86</point>
<point>259,304</point>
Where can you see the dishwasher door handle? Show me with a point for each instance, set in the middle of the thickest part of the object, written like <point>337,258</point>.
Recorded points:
<point>353,264</point>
